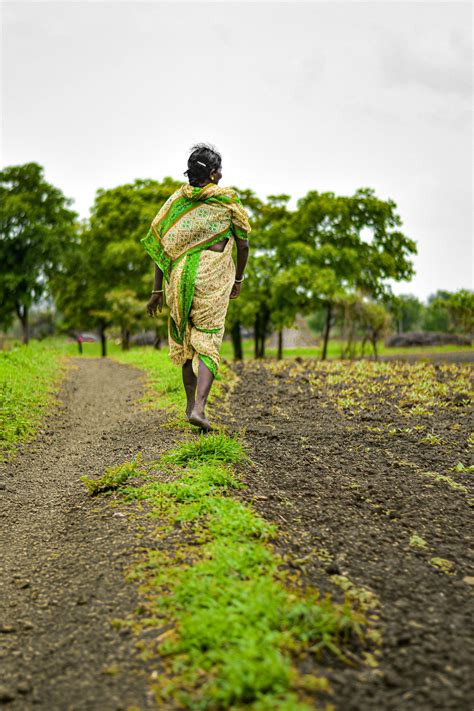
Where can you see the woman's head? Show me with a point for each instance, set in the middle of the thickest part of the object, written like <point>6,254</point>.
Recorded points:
<point>204,165</point>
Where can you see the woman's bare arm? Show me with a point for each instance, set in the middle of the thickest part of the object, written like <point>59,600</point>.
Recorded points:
<point>158,278</point>
<point>242,257</point>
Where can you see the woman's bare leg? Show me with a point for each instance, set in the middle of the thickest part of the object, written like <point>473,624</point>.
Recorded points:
<point>189,382</point>
<point>204,382</point>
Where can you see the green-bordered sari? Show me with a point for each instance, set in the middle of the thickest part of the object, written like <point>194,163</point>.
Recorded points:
<point>197,281</point>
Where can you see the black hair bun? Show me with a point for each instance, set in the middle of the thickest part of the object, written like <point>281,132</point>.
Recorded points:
<point>204,159</point>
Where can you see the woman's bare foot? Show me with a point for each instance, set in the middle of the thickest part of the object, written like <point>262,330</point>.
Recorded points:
<point>189,409</point>
<point>199,419</point>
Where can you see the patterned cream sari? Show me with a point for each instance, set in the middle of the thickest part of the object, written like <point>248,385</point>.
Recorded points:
<point>197,280</point>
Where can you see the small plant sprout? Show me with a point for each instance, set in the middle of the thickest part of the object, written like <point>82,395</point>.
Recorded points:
<point>445,566</point>
<point>432,438</point>
<point>446,480</point>
<point>417,541</point>
<point>460,468</point>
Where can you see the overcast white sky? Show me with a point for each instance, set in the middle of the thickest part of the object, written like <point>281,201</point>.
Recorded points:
<point>328,96</point>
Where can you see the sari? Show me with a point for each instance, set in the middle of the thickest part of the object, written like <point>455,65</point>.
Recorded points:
<point>197,281</point>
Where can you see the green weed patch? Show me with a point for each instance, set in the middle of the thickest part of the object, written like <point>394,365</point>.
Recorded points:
<point>230,621</point>
<point>114,477</point>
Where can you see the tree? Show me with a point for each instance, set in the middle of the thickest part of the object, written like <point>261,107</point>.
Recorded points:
<point>242,311</point>
<point>316,319</point>
<point>275,285</point>
<point>407,311</point>
<point>436,317</point>
<point>461,310</point>
<point>364,318</point>
<point>109,255</point>
<point>354,245</point>
<point>375,321</point>
<point>350,309</point>
<point>450,311</point>
<point>292,276</point>
<point>36,227</point>
<point>125,311</point>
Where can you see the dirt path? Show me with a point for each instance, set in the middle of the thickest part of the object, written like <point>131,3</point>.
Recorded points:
<point>347,500</point>
<point>64,555</point>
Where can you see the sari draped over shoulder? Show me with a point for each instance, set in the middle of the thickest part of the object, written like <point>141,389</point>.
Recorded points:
<point>197,280</point>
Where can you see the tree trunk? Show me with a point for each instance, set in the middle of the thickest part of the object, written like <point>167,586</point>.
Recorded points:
<point>374,346</point>
<point>125,339</point>
<point>103,341</point>
<point>236,336</point>
<point>280,344</point>
<point>265,320</point>
<point>25,328</point>
<point>157,343</point>
<point>261,326</point>
<point>344,333</point>
<point>327,329</point>
<point>22,313</point>
<point>256,336</point>
<point>79,345</point>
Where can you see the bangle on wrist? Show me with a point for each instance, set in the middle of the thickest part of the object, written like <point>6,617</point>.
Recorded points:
<point>239,281</point>
<point>157,291</point>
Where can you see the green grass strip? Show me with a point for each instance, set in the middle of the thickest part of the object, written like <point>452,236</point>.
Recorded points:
<point>29,377</point>
<point>236,619</point>
<point>164,378</point>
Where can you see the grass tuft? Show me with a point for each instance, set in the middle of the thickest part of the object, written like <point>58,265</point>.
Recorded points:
<point>114,477</point>
<point>208,448</point>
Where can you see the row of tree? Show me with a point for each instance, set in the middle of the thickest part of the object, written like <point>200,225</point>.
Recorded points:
<point>328,253</point>
<point>445,312</point>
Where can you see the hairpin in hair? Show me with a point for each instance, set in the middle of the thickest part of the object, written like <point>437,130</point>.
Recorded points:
<point>201,163</point>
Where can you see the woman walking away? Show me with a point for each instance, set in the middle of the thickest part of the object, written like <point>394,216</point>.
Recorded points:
<point>190,240</point>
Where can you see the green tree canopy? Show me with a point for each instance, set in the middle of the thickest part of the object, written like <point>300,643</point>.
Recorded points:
<point>108,256</point>
<point>407,311</point>
<point>461,310</point>
<point>436,317</point>
<point>352,244</point>
<point>36,229</point>
<point>450,311</point>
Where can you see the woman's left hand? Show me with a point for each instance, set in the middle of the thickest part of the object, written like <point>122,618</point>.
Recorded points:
<point>155,302</point>
<point>235,290</point>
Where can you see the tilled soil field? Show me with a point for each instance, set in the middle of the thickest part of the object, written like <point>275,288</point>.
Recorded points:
<point>356,470</point>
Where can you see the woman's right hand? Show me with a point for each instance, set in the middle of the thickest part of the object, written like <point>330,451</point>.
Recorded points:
<point>235,290</point>
<point>155,302</point>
